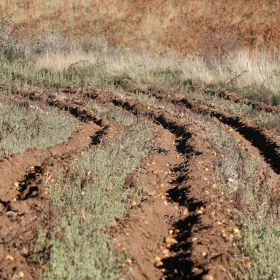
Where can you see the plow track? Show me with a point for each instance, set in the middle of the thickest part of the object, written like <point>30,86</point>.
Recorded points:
<point>266,142</point>
<point>23,196</point>
<point>255,104</point>
<point>180,229</point>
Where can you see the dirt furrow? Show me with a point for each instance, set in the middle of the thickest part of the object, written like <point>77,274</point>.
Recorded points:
<point>266,142</point>
<point>180,193</point>
<point>23,196</point>
<point>192,262</point>
<point>255,104</point>
<point>183,227</point>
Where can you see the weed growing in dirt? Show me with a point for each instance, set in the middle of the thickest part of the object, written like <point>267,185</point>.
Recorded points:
<point>24,126</point>
<point>89,200</point>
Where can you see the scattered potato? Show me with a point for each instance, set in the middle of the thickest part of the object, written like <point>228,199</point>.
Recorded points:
<point>157,258</point>
<point>9,257</point>
<point>165,251</point>
<point>158,263</point>
<point>170,240</point>
<point>133,203</point>
<point>236,230</point>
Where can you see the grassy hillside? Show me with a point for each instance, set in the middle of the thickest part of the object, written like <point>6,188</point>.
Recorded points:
<point>162,26</point>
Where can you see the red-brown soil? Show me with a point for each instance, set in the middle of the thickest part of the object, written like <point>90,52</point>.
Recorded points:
<point>23,197</point>
<point>182,227</point>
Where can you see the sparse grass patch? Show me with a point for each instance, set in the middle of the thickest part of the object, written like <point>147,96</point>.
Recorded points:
<point>89,200</point>
<point>266,120</point>
<point>257,206</point>
<point>23,126</point>
<point>146,98</point>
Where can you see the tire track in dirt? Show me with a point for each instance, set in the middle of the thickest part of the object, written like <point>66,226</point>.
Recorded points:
<point>23,197</point>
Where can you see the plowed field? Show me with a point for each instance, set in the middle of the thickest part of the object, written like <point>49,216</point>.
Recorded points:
<point>183,224</point>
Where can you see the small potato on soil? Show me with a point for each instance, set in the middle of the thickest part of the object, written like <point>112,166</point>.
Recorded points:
<point>9,257</point>
<point>170,240</point>
<point>158,263</point>
<point>165,251</point>
<point>157,258</point>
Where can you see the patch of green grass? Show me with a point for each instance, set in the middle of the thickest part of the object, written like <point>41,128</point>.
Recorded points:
<point>26,127</point>
<point>89,200</point>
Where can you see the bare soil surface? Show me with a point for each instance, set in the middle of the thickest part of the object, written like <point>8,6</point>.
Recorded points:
<point>182,228</point>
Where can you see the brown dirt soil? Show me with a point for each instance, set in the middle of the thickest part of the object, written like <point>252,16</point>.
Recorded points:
<point>183,226</point>
<point>245,145</point>
<point>179,186</point>
<point>197,258</point>
<point>23,197</point>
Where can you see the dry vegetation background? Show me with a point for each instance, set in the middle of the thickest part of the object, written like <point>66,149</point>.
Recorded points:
<point>161,26</point>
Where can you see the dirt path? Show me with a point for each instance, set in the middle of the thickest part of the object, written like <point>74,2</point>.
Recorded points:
<point>182,228</point>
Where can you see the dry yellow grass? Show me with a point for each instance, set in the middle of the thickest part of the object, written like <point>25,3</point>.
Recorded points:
<point>158,25</point>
